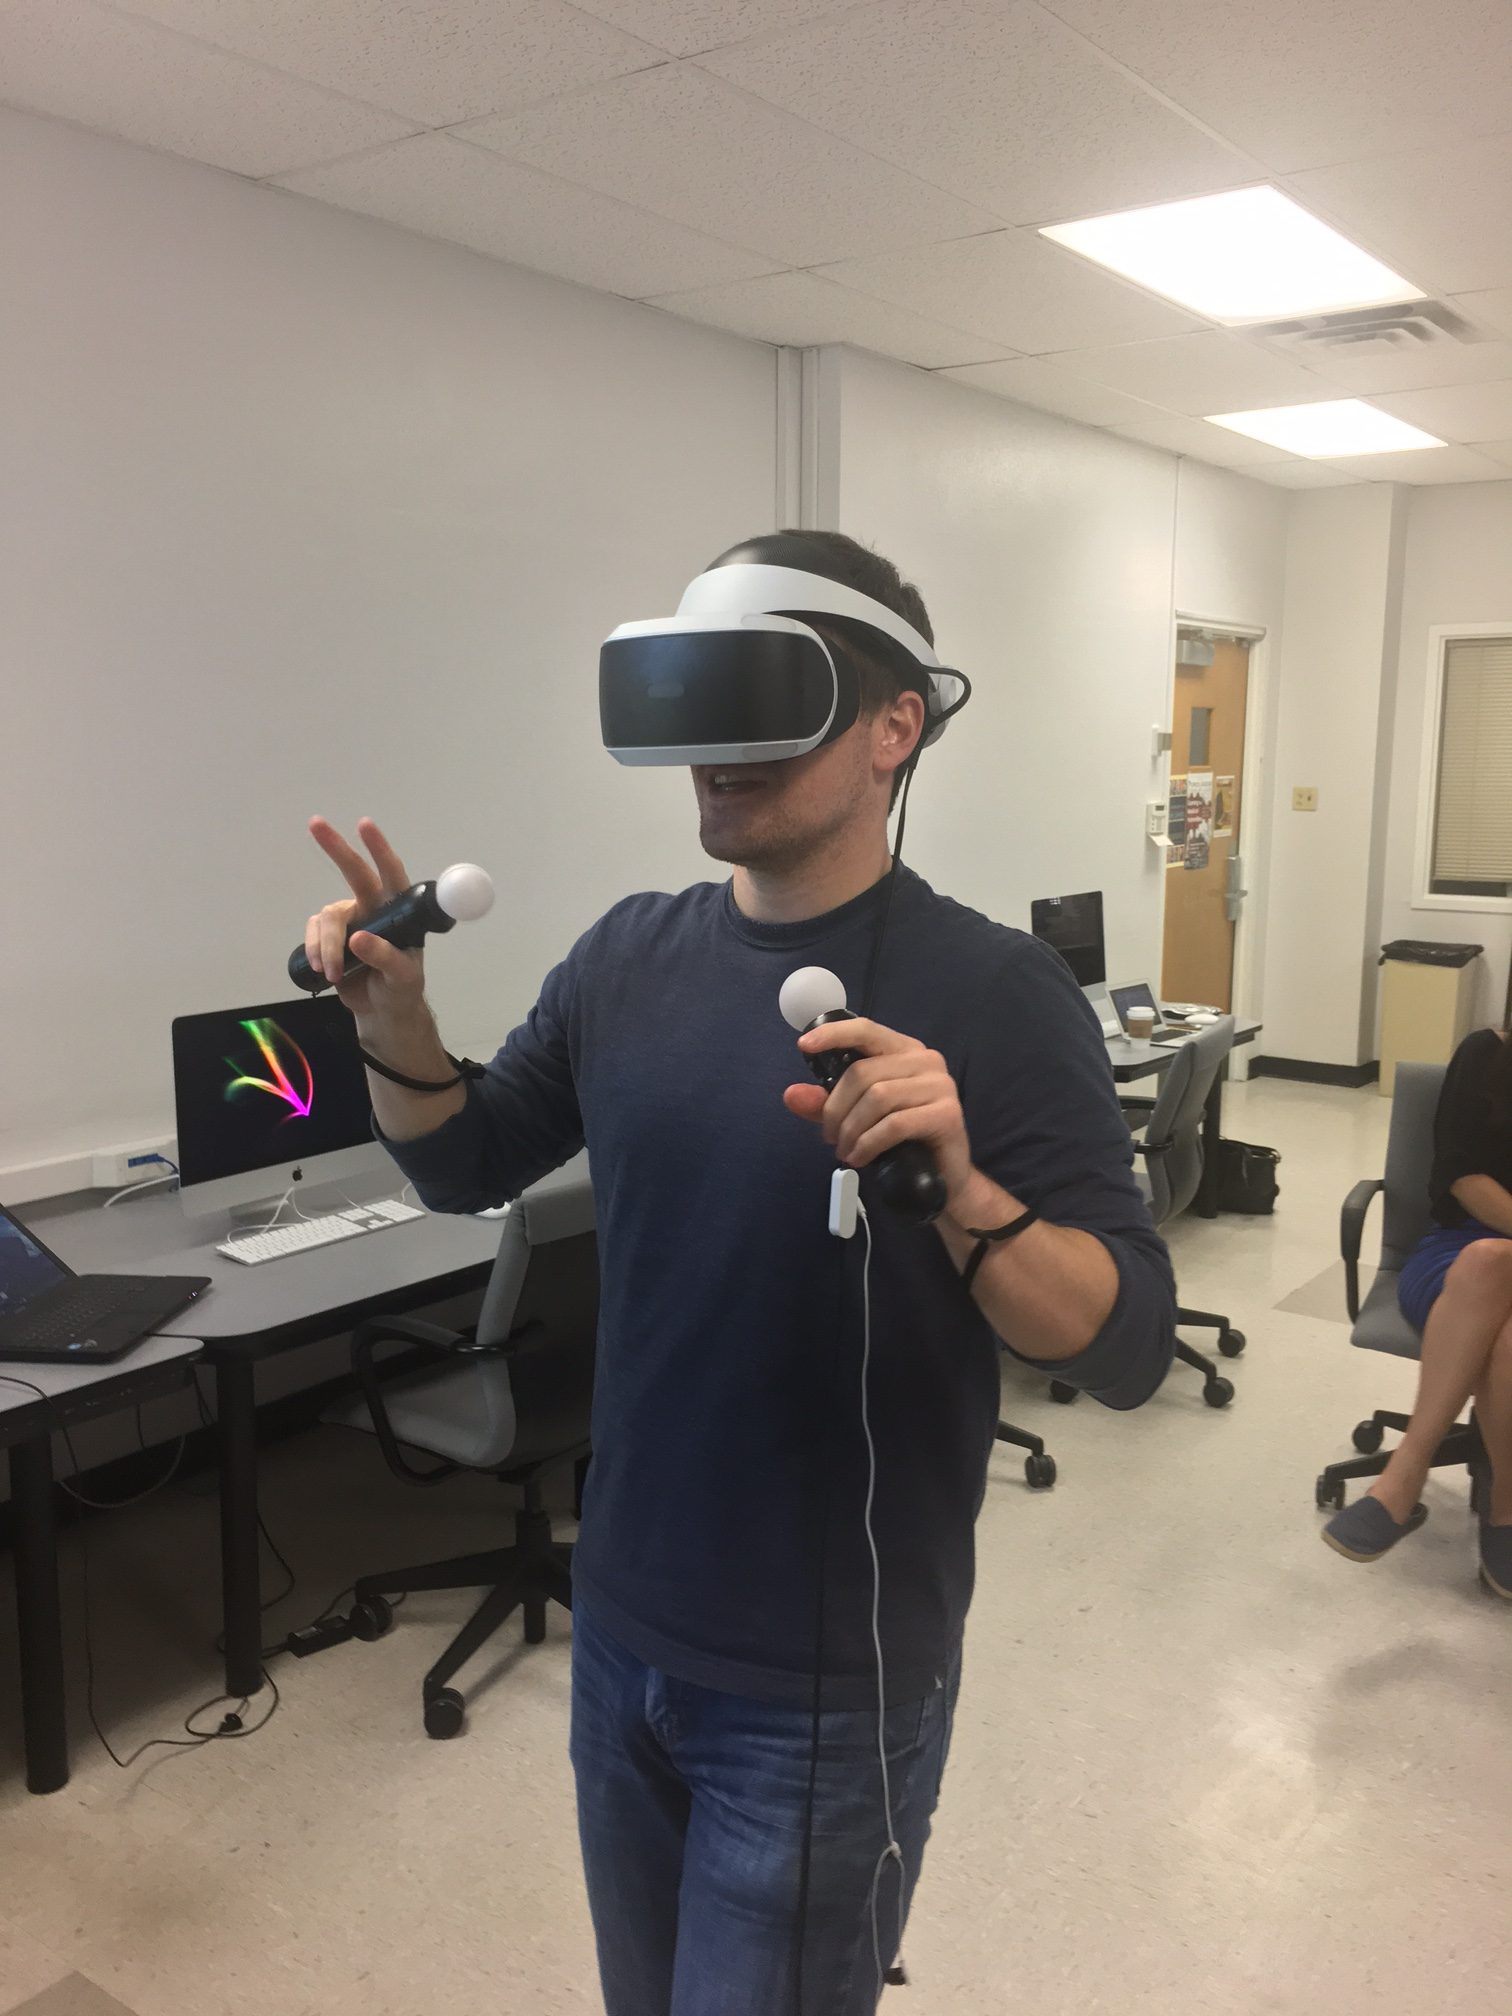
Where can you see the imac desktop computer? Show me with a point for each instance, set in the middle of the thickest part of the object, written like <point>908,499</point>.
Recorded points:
<point>1074,926</point>
<point>269,1098</point>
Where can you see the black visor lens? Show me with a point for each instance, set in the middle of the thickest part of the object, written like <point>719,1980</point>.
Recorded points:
<point>713,689</point>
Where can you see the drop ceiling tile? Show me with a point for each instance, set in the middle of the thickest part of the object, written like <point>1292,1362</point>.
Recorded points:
<point>1184,436</point>
<point>802,309</point>
<point>687,26</point>
<point>1424,465</point>
<point>1491,309</point>
<point>1498,451</point>
<point>1421,367</point>
<point>990,98</point>
<point>447,60</point>
<point>1017,287</point>
<point>1456,412</point>
<point>1441,217</point>
<point>1033,381</point>
<point>1210,372</point>
<point>448,189</point>
<point>1300,475</point>
<point>75,60</point>
<point>1300,85</point>
<point>687,146</point>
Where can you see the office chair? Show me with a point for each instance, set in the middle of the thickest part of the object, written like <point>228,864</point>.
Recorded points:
<point>1377,1323</point>
<point>512,1400</point>
<point>1172,1151</point>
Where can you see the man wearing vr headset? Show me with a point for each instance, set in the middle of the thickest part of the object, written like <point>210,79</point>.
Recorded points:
<point>725,1672</point>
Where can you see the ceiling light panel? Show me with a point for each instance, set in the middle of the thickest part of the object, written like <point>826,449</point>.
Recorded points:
<point>1247,255</point>
<point>1328,428</point>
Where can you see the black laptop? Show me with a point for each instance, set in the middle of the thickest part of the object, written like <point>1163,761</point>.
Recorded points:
<point>50,1315</point>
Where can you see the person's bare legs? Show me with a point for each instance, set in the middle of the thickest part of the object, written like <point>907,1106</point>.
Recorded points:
<point>1493,1411</point>
<point>1464,1327</point>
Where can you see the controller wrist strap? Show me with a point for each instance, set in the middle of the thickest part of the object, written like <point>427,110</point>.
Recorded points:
<point>464,1067</point>
<point>985,1240</point>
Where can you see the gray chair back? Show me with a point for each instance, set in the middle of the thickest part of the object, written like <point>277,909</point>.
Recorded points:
<point>490,1409</point>
<point>1176,1119</point>
<point>557,1208</point>
<point>1406,1214</point>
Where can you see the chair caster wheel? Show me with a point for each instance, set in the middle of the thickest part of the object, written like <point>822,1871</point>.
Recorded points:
<point>1218,1392</point>
<point>1063,1393</point>
<point>371,1617</point>
<point>1040,1472</point>
<point>443,1714</point>
<point>1232,1342</point>
<point>1367,1437</point>
<point>1328,1495</point>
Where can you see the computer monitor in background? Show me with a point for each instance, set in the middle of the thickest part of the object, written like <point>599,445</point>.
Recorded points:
<point>266,1098</point>
<point>1074,926</point>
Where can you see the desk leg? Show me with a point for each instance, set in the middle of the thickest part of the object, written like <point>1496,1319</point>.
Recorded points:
<point>1212,1134</point>
<point>39,1627</point>
<point>241,1593</point>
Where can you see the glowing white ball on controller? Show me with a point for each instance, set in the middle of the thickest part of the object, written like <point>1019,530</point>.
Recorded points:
<point>810,992</point>
<point>465,891</point>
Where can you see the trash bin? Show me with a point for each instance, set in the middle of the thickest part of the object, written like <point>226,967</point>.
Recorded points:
<point>1427,1002</point>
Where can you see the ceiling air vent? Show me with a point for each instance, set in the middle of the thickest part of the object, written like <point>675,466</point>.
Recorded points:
<point>1370,332</point>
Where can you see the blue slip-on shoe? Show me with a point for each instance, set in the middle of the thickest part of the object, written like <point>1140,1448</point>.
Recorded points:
<point>1365,1530</point>
<point>1496,1559</point>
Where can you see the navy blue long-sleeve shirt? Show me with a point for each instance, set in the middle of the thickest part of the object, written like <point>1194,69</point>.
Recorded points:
<point>730,1319</point>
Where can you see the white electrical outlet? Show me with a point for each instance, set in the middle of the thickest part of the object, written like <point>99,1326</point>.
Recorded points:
<point>135,1162</point>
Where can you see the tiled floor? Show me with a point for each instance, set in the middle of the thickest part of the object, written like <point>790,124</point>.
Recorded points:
<point>1201,1764</point>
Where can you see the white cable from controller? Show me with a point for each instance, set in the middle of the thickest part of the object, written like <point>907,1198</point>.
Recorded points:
<point>892,1852</point>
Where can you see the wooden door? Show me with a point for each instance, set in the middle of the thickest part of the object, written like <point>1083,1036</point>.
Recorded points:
<point>1207,776</point>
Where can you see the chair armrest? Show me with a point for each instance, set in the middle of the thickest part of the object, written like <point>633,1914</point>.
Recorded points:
<point>1149,1148</point>
<point>398,1330</point>
<point>1351,1231</point>
<point>407,1330</point>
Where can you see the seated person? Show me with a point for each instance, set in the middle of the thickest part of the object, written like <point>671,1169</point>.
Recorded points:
<point>1456,1289</point>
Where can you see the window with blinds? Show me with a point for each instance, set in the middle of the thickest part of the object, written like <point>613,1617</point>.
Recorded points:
<point>1472,818</point>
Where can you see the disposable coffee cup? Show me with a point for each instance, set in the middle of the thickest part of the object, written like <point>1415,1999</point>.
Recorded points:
<point>1141,1024</point>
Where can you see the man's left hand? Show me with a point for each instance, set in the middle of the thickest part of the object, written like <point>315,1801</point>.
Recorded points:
<point>895,1091</point>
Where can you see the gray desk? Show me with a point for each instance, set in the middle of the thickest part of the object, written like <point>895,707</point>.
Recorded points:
<point>67,1394</point>
<point>252,1313</point>
<point>1133,1061</point>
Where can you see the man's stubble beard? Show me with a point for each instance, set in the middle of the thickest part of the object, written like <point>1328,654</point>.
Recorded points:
<point>785,847</point>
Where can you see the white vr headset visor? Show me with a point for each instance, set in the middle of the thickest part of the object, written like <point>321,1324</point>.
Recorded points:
<point>740,675</point>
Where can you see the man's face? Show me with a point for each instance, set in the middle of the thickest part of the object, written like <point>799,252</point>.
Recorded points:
<point>775,816</point>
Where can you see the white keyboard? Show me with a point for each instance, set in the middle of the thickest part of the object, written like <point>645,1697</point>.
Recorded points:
<point>252,1248</point>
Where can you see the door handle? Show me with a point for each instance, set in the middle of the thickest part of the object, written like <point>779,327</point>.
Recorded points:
<point>1234,891</point>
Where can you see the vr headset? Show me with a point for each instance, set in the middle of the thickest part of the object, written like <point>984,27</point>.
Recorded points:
<point>742,675</point>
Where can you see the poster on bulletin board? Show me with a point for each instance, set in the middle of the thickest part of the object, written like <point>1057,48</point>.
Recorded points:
<point>1199,817</point>
<point>1176,822</point>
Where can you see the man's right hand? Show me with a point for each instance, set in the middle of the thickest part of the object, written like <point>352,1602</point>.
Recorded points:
<point>387,991</point>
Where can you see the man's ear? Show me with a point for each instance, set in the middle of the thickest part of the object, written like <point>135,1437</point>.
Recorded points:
<point>899,725</point>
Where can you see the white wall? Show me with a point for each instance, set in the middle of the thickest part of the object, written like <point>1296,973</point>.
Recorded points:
<point>303,513</point>
<point>1043,551</point>
<point>1458,570</point>
<point>1335,702</point>
<point>1048,554</point>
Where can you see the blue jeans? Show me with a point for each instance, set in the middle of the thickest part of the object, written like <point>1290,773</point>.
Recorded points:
<point>691,1811</point>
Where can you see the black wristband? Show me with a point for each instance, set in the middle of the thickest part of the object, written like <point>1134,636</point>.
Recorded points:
<point>996,1237</point>
<point>464,1067</point>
